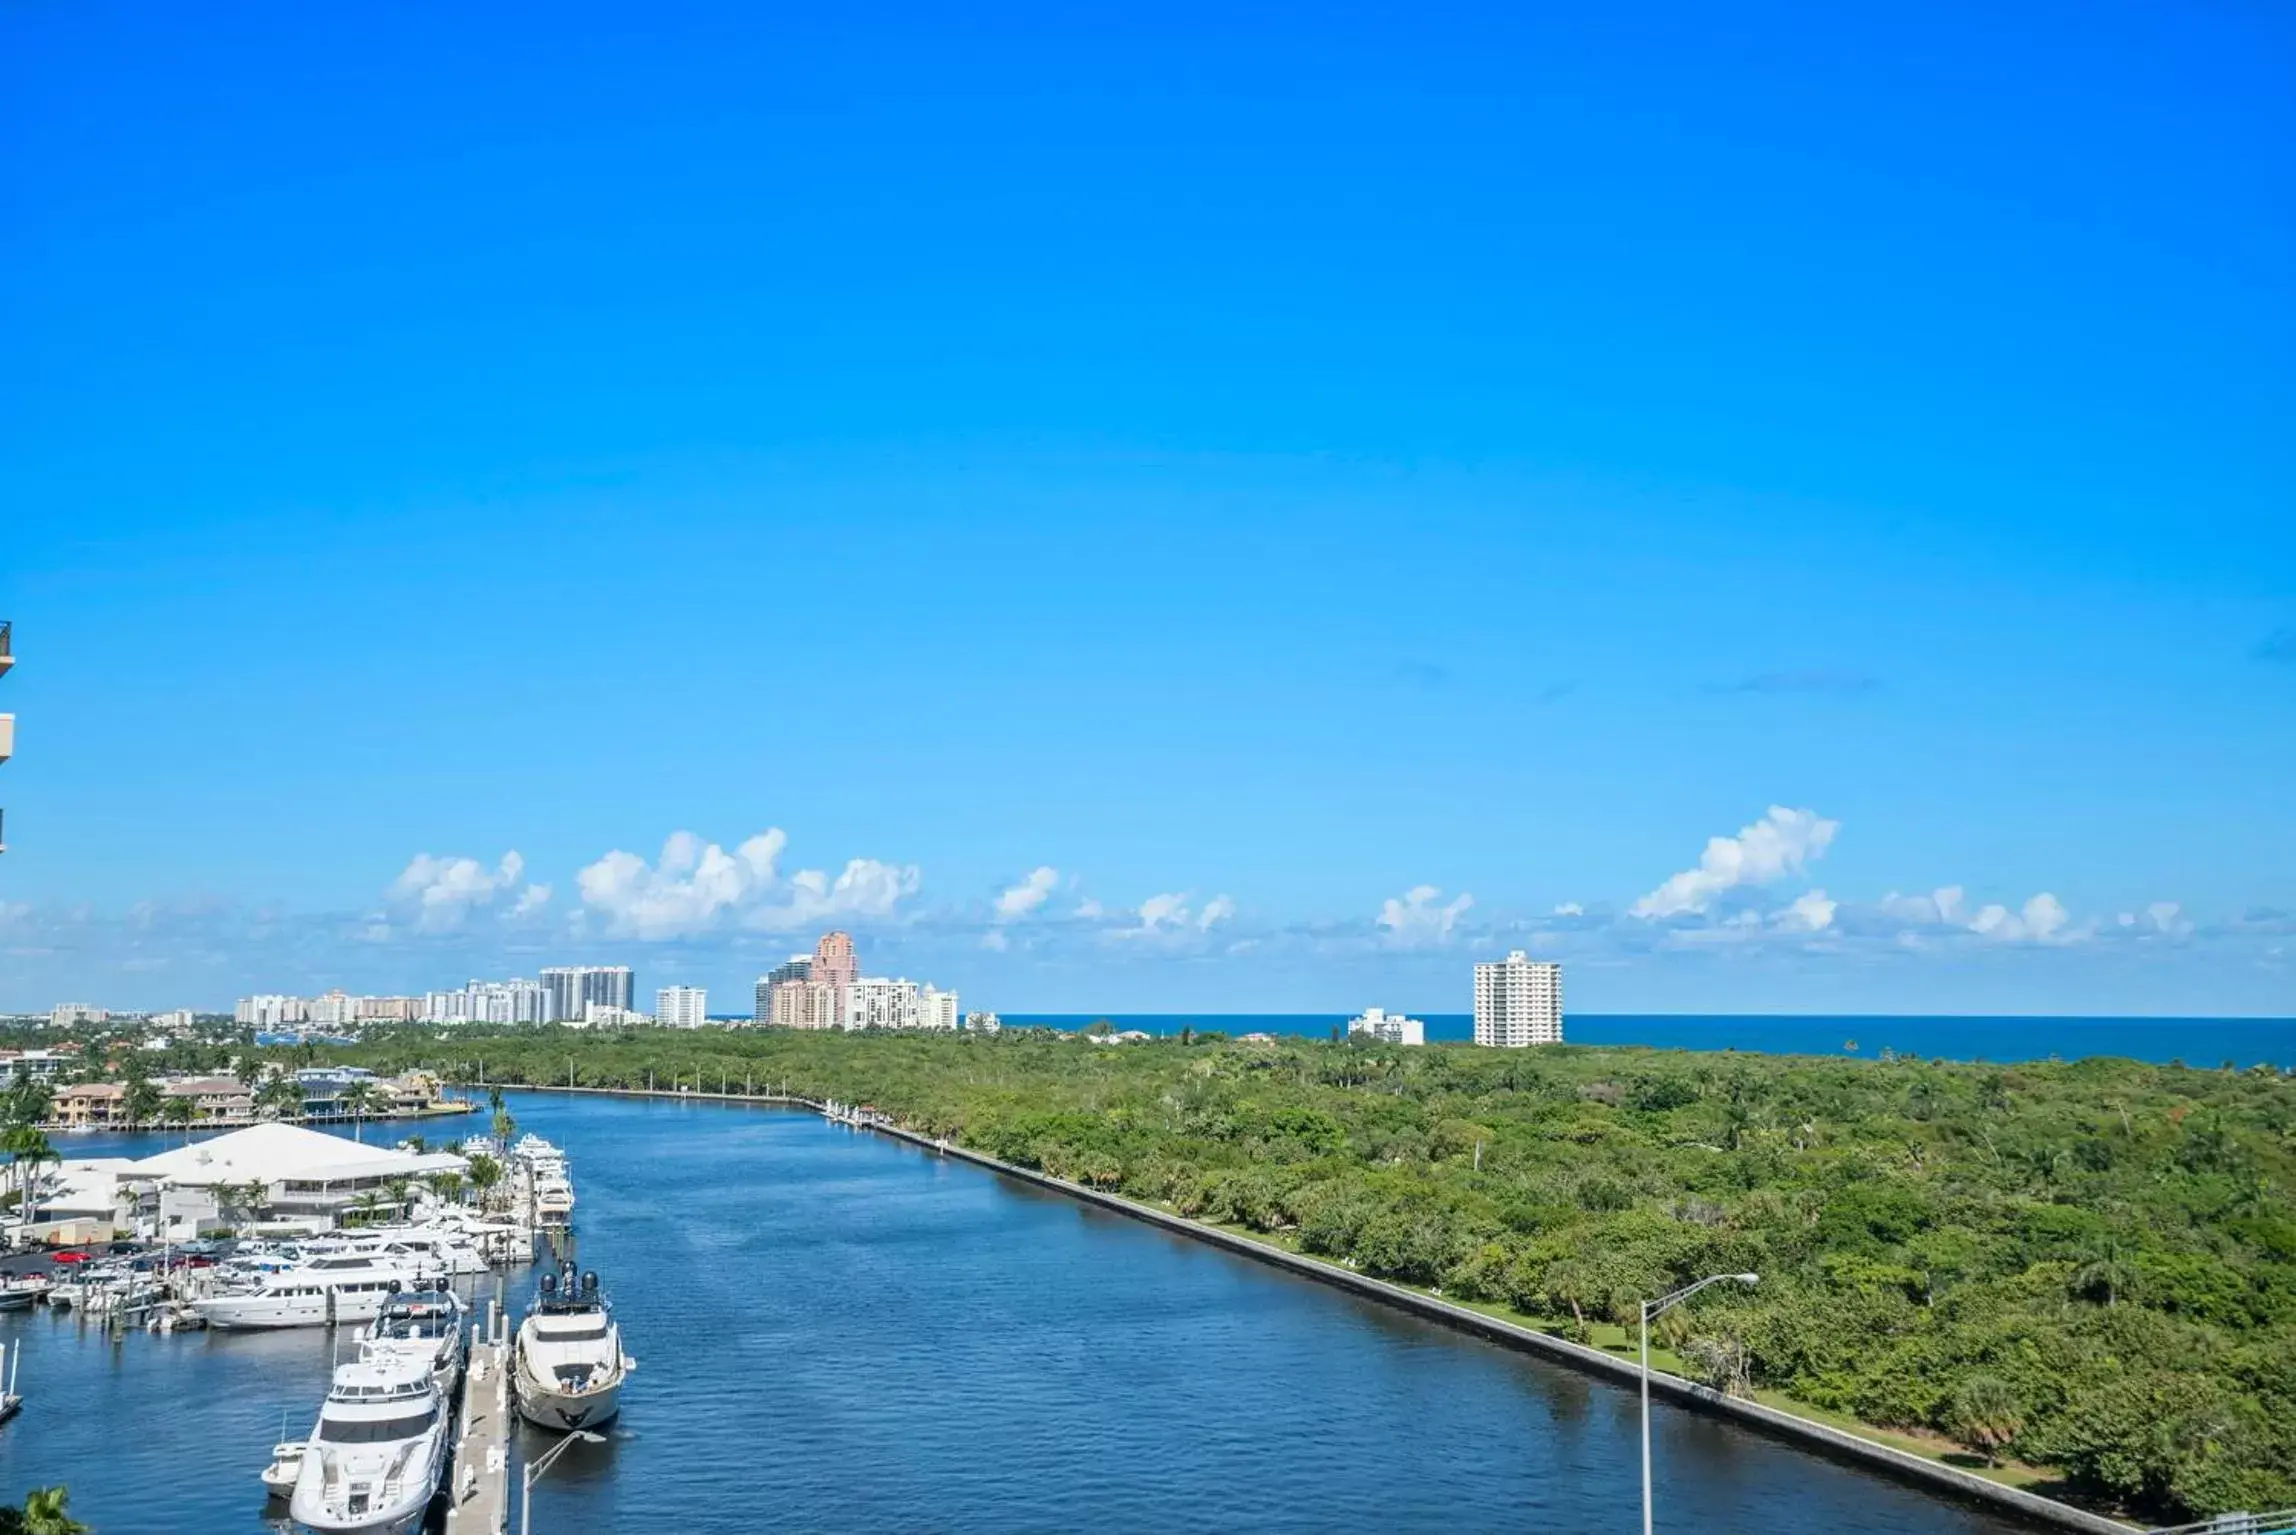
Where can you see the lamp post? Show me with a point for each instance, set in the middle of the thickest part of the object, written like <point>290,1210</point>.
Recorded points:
<point>1658,1307</point>
<point>531,1473</point>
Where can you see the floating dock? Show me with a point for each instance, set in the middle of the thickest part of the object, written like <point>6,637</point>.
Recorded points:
<point>478,1483</point>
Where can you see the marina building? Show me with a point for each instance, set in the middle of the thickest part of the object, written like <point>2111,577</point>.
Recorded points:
<point>681,1007</point>
<point>1518,1002</point>
<point>308,1178</point>
<point>1386,1027</point>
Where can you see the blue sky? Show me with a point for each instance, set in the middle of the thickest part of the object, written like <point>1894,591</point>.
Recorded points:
<point>1277,472</point>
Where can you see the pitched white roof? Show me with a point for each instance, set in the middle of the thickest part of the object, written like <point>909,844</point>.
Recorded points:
<point>273,1153</point>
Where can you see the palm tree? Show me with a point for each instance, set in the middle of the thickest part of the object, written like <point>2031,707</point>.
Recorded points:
<point>359,1100</point>
<point>2108,1271</point>
<point>447,1186</point>
<point>1985,1415</point>
<point>29,1147</point>
<point>402,1191</point>
<point>369,1202</point>
<point>281,1097</point>
<point>142,1100</point>
<point>175,1109</point>
<point>247,1198</point>
<point>485,1173</point>
<point>43,1513</point>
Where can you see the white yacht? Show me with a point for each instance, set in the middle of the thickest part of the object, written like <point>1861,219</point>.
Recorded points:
<point>286,1466</point>
<point>375,1459</point>
<point>327,1289</point>
<point>424,1326</point>
<point>451,1251</point>
<point>570,1365</point>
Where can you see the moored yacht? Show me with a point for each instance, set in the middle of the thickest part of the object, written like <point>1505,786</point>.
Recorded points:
<point>570,1366</point>
<point>375,1459</point>
<point>424,1326</point>
<point>330,1288</point>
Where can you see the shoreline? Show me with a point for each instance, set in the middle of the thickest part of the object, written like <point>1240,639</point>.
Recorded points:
<point>1835,1443</point>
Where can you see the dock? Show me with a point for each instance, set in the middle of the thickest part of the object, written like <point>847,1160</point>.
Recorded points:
<point>478,1481</point>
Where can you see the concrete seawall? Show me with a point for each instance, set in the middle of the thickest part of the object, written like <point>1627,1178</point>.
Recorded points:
<point>1824,1438</point>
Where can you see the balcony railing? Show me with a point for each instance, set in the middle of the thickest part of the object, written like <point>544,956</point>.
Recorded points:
<point>7,656</point>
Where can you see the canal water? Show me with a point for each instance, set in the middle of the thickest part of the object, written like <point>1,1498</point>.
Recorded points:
<point>835,1330</point>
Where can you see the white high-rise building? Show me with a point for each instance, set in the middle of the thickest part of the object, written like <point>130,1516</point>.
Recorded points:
<point>270,1011</point>
<point>937,1010</point>
<point>569,988</point>
<point>1518,1002</point>
<point>1390,1028</point>
<point>332,1010</point>
<point>513,1001</point>
<point>872,1002</point>
<point>681,1007</point>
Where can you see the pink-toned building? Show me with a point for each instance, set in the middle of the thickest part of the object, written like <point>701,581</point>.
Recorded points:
<point>835,966</point>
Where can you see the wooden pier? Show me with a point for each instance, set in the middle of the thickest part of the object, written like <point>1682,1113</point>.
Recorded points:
<point>478,1483</point>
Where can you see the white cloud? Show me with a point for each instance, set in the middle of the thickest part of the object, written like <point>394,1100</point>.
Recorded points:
<point>441,891</point>
<point>1780,843</point>
<point>1163,911</point>
<point>2042,919</point>
<point>1570,909</point>
<point>1415,918</point>
<point>995,939</point>
<point>867,889</point>
<point>1028,895</point>
<point>1169,915</point>
<point>531,900</point>
<point>1090,910</point>
<point>697,886</point>
<point>1810,912</point>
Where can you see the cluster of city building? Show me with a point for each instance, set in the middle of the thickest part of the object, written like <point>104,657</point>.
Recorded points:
<point>826,990</point>
<point>1518,1003</point>
<point>563,994</point>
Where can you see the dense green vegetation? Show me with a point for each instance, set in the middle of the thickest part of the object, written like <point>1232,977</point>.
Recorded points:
<point>2088,1267</point>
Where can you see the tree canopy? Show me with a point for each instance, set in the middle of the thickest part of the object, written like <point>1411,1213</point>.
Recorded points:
<point>2088,1266</point>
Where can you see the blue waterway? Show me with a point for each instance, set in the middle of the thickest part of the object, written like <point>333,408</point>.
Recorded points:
<point>2194,1041</point>
<point>837,1331</point>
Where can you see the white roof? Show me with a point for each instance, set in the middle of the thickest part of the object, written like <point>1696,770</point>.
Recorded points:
<point>274,1153</point>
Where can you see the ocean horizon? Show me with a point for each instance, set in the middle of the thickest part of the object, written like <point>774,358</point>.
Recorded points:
<point>2006,1038</point>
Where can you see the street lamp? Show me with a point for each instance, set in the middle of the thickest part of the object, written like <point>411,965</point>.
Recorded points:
<point>532,1471</point>
<point>1658,1307</point>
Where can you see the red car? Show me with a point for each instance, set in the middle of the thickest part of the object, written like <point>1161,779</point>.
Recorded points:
<point>71,1257</point>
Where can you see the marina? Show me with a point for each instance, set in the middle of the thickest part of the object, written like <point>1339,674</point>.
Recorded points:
<point>848,1329</point>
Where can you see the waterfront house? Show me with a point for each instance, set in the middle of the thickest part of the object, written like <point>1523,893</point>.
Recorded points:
<point>91,1105</point>
<point>225,1098</point>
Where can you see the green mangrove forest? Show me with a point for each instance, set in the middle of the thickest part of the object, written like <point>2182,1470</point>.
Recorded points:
<point>2081,1275</point>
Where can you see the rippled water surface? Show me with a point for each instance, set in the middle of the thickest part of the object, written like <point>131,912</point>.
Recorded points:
<point>838,1331</point>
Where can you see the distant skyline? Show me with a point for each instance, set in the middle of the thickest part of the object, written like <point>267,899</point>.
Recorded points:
<point>1196,513</point>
